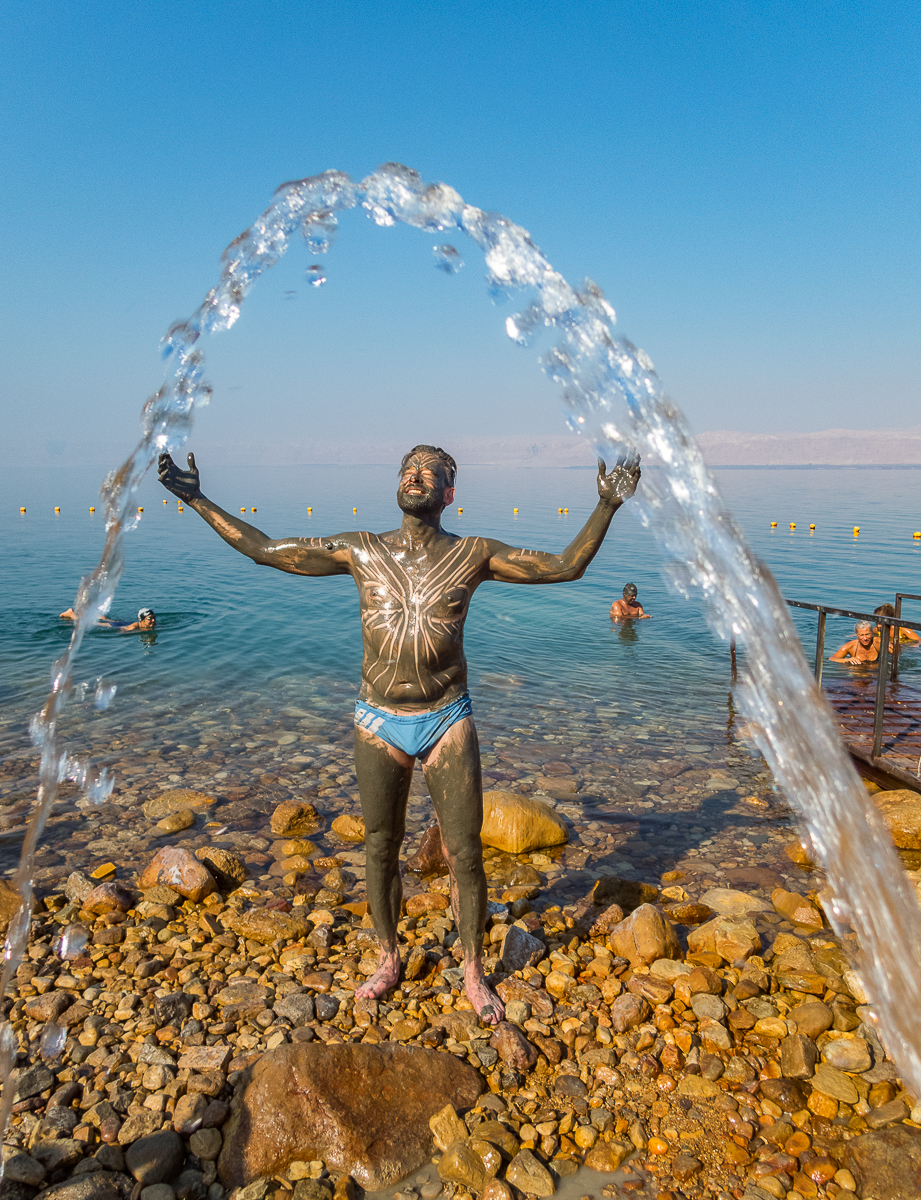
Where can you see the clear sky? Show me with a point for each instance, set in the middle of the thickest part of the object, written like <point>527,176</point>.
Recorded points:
<point>742,179</point>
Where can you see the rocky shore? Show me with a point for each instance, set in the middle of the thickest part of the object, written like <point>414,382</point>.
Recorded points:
<point>189,1030</point>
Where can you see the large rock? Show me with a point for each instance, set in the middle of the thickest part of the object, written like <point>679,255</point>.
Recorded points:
<point>292,818</point>
<point>520,949</point>
<point>349,828</point>
<point>731,938</point>
<point>798,909</point>
<point>111,896</point>
<point>886,1163</point>
<point>517,824</point>
<point>727,902</point>
<point>267,925</point>
<point>901,810</point>
<point>179,870</point>
<point>228,868</point>
<point>157,1158</point>
<point>175,800</point>
<point>644,936</point>
<point>363,1109</point>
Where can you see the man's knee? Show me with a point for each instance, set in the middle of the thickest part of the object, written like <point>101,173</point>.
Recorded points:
<point>465,855</point>
<point>382,843</point>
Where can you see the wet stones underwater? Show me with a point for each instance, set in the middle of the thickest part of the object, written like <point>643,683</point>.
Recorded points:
<point>680,1021</point>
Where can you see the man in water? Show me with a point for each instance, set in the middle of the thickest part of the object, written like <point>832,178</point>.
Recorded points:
<point>629,606</point>
<point>414,589</point>
<point>146,621</point>
<point>863,649</point>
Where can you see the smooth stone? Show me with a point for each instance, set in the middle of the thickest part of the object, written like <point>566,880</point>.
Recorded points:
<point>32,1081</point>
<point>176,822</point>
<point>516,824</point>
<point>447,1127</point>
<point>175,800</point>
<point>429,858</point>
<point>696,1087</point>
<point>798,1056</point>
<point>298,1008</point>
<point>708,1008</point>
<point>848,1054</point>
<point>607,1156</point>
<point>349,827</point>
<point>110,896</point>
<point>206,1144</point>
<point>644,936</point>
<point>460,1164</point>
<point>834,1083</point>
<point>23,1168</point>
<point>726,902</point>
<point>180,870</point>
<point>100,1185</point>
<point>156,1158</point>
<point>426,902</point>
<point>798,909</point>
<point>901,810</point>
<point>628,1011</point>
<point>812,1018</point>
<point>363,1109</point>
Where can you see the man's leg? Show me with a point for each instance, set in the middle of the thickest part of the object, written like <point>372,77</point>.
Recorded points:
<point>384,775</point>
<point>452,772</point>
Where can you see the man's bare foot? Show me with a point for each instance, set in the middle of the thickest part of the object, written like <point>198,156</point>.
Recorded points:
<point>486,1004</point>
<point>386,976</point>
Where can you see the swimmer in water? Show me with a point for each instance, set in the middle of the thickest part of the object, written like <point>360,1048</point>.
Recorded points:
<point>907,637</point>
<point>147,621</point>
<point>863,649</point>
<point>628,608</point>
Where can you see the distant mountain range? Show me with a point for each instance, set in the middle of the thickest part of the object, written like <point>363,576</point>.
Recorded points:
<point>721,448</point>
<point>831,448</point>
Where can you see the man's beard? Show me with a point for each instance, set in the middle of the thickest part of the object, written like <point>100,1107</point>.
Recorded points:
<point>416,503</point>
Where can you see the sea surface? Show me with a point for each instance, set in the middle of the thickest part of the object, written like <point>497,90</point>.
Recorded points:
<point>252,673</point>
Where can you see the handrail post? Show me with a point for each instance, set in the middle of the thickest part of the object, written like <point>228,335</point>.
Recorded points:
<point>881,687</point>
<point>820,648</point>
<point>898,632</point>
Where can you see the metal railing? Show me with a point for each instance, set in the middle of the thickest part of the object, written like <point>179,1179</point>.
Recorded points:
<point>888,626</point>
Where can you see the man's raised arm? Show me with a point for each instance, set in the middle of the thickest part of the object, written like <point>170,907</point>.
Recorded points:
<point>510,565</point>
<point>297,556</point>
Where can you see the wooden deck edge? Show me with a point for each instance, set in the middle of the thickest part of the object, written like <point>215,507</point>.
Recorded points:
<point>888,777</point>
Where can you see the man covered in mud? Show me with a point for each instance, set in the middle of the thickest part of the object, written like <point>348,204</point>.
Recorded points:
<point>414,588</point>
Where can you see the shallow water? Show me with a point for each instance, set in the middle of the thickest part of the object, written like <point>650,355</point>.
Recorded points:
<point>246,689</point>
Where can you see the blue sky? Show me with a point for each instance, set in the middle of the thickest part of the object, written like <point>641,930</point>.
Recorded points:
<point>741,179</point>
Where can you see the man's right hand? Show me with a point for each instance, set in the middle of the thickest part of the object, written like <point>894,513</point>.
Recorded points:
<point>184,484</point>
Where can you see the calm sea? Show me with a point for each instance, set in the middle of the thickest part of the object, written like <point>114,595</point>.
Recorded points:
<point>228,628</point>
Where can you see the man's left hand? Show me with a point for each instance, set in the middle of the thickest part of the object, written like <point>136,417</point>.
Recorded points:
<point>622,481</point>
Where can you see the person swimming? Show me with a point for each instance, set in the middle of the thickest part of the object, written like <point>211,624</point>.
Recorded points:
<point>147,621</point>
<point>907,637</point>
<point>629,607</point>
<point>863,649</point>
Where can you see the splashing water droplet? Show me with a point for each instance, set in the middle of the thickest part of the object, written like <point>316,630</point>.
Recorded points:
<point>104,693</point>
<point>99,786</point>
<point>81,689</point>
<point>319,231</point>
<point>447,259</point>
<point>52,1040</point>
<point>316,276</point>
<point>72,942</point>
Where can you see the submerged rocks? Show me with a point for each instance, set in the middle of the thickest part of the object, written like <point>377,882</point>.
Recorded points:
<point>901,810</point>
<point>177,800</point>
<point>518,824</point>
<point>349,827</point>
<point>293,818</point>
<point>228,869</point>
<point>365,1109</point>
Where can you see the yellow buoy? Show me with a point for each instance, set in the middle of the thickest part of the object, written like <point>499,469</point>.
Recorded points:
<point>460,510</point>
<point>565,510</point>
<point>181,509</point>
<point>856,530</point>
<point>140,508</point>
<point>252,510</point>
<point>57,508</point>
<point>354,510</point>
<point>166,502</point>
<point>792,524</point>
<point>22,510</point>
<point>242,510</point>
<point>92,508</point>
<point>917,533</point>
<point>559,510</point>
<point>514,510</point>
<point>812,526</point>
<point>773,524</point>
<point>309,509</point>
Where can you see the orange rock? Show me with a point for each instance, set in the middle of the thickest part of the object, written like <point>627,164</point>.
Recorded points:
<point>180,870</point>
<point>426,902</point>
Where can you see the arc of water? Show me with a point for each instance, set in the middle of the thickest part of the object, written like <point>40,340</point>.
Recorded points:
<point>614,397</point>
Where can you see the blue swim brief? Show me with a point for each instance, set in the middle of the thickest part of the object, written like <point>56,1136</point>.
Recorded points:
<point>413,733</point>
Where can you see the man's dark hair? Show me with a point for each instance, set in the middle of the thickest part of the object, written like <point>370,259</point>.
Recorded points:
<point>442,455</point>
<point>631,588</point>
<point>884,610</point>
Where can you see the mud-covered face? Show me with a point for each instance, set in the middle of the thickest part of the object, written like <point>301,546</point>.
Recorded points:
<point>424,486</point>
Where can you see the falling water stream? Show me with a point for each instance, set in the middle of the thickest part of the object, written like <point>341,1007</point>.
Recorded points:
<point>614,398</point>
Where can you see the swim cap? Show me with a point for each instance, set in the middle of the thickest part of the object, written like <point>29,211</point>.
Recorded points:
<point>629,589</point>
<point>146,612</point>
